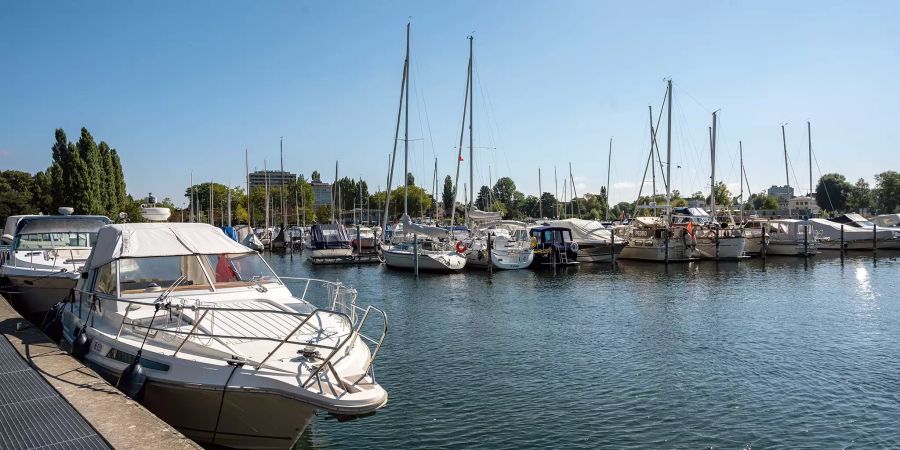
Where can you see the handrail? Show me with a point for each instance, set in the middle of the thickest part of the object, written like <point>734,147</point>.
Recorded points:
<point>342,309</point>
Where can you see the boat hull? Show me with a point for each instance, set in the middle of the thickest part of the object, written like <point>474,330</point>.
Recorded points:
<point>657,252</point>
<point>728,248</point>
<point>428,261</point>
<point>330,255</point>
<point>35,292</point>
<point>601,252</point>
<point>507,260</point>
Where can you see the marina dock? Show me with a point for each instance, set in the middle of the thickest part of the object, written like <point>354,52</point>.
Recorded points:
<point>50,400</point>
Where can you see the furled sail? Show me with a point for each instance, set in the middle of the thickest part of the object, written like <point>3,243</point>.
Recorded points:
<point>422,230</point>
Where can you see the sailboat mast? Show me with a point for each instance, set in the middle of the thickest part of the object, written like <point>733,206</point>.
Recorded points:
<point>608,169</point>
<point>192,198</point>
<point>652,158</point>
<point>787,179</point>
<point>809,139</point>
<point>266,171</point>
<point>459,158</point>
<point>556,191</point>
<point>336,192</point>
<point>283,204</point>
<point>540,195</point>
<point>211,212</point>
<point>247,180</point>
<point>471,115</point>
<point>741,154</point>
<point>390,178</point>
<point>712,159</point>
<point>406,133</point>
<point>669,147</point>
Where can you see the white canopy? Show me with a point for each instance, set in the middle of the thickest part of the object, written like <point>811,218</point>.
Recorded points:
<point>477,214</point>
<point>424,230</point>
<point>583,230</point>
<point>887,220</point>
<point>135,240</point>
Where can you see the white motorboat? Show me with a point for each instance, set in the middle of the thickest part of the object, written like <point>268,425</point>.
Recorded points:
<point>510,247</point>
<point>46,257</point>
<point>785,237</point>
<point>857,233</point>
<point>328,244</point>
<point>886,220</point>
<point>595,242</point>
<point>201,331</point>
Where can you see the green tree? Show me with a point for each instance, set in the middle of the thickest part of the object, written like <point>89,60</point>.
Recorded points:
<point>89,174</point>
<point>832,192</point>
<point>410,179</point>
<point>504,190</point>
<point>483,201</point>
<point>16,193</point>
<point>447,195</point>
<point>887,192</point>
<point>316,176</point>
<point>547,207</point>
<point>860,196</point>
<point>42,194</point>
<point>723,196</point>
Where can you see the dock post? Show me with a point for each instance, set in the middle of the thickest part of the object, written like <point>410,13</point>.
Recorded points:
<point>806,241</point>
<point>842,244</point>
<point>490,264</point>
<point>874,241</point>
<point>612,249</point>
<point>416,255</point>
<point>717,243</point>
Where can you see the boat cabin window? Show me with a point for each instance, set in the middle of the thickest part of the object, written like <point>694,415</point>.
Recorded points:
<point>46,241</point>
<point>239,269</point>
<point>154,274</point>
<point>106,280</point>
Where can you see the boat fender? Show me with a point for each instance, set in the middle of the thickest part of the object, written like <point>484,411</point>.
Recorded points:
<point>52,324</point>
<point>133,379</point>
<point>533,242</point>
<point>82,343</point>
<point>460,247</point>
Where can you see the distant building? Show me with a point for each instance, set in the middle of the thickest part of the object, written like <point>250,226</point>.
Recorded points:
<point>258,178</point>
<point>805,206</point>
<point>321,193</point>
<point>784,193</point>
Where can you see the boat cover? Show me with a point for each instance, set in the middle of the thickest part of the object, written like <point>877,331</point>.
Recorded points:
<point>135,240</point>
<point>887,220</point>
<point>583,231</point>
<point>230,232</point>
<point>830,229</point>
<point>252,242</point>
<point>423,230</point>
<point>330,235</point>
<point>60,224</point>
<point>477,214</point>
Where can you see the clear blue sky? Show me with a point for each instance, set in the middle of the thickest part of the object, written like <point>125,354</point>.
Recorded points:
<point>186,86</point>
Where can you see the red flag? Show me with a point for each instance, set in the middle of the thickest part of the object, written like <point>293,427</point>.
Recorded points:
<point>460,157</point>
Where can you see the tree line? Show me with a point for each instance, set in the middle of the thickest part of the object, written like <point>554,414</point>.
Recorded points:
<point>84,175</point>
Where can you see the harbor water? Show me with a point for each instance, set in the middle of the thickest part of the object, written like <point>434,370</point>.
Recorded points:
<point>786,353</point>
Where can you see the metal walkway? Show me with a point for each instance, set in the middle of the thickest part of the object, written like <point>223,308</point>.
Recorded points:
<point>33,415</point>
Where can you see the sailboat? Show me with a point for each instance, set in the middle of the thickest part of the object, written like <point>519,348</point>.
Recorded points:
<point>713,241</point>
<point>653,238</point>
<point>420,247</point>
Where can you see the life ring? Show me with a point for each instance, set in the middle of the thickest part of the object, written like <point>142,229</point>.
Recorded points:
<point>460,247</point>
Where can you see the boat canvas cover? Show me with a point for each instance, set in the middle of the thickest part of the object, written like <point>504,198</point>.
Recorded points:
<point>59,224</point>
<point>887,220</point>
<point>584,231</point>
<point>230,232</point>
<point>477,214</point>
<point>329,236</point>
<point>850,218</point>
<point>648,221</point>
<point>136,240</point>
<point>423,230</point>
<point>831,229</point>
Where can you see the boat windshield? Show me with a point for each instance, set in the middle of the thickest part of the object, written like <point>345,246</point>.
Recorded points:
<point>46,241</point>
<point>239,269</point>
<point>156,273</point>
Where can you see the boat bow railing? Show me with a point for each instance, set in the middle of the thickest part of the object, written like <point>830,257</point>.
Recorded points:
<point>196,321</point>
